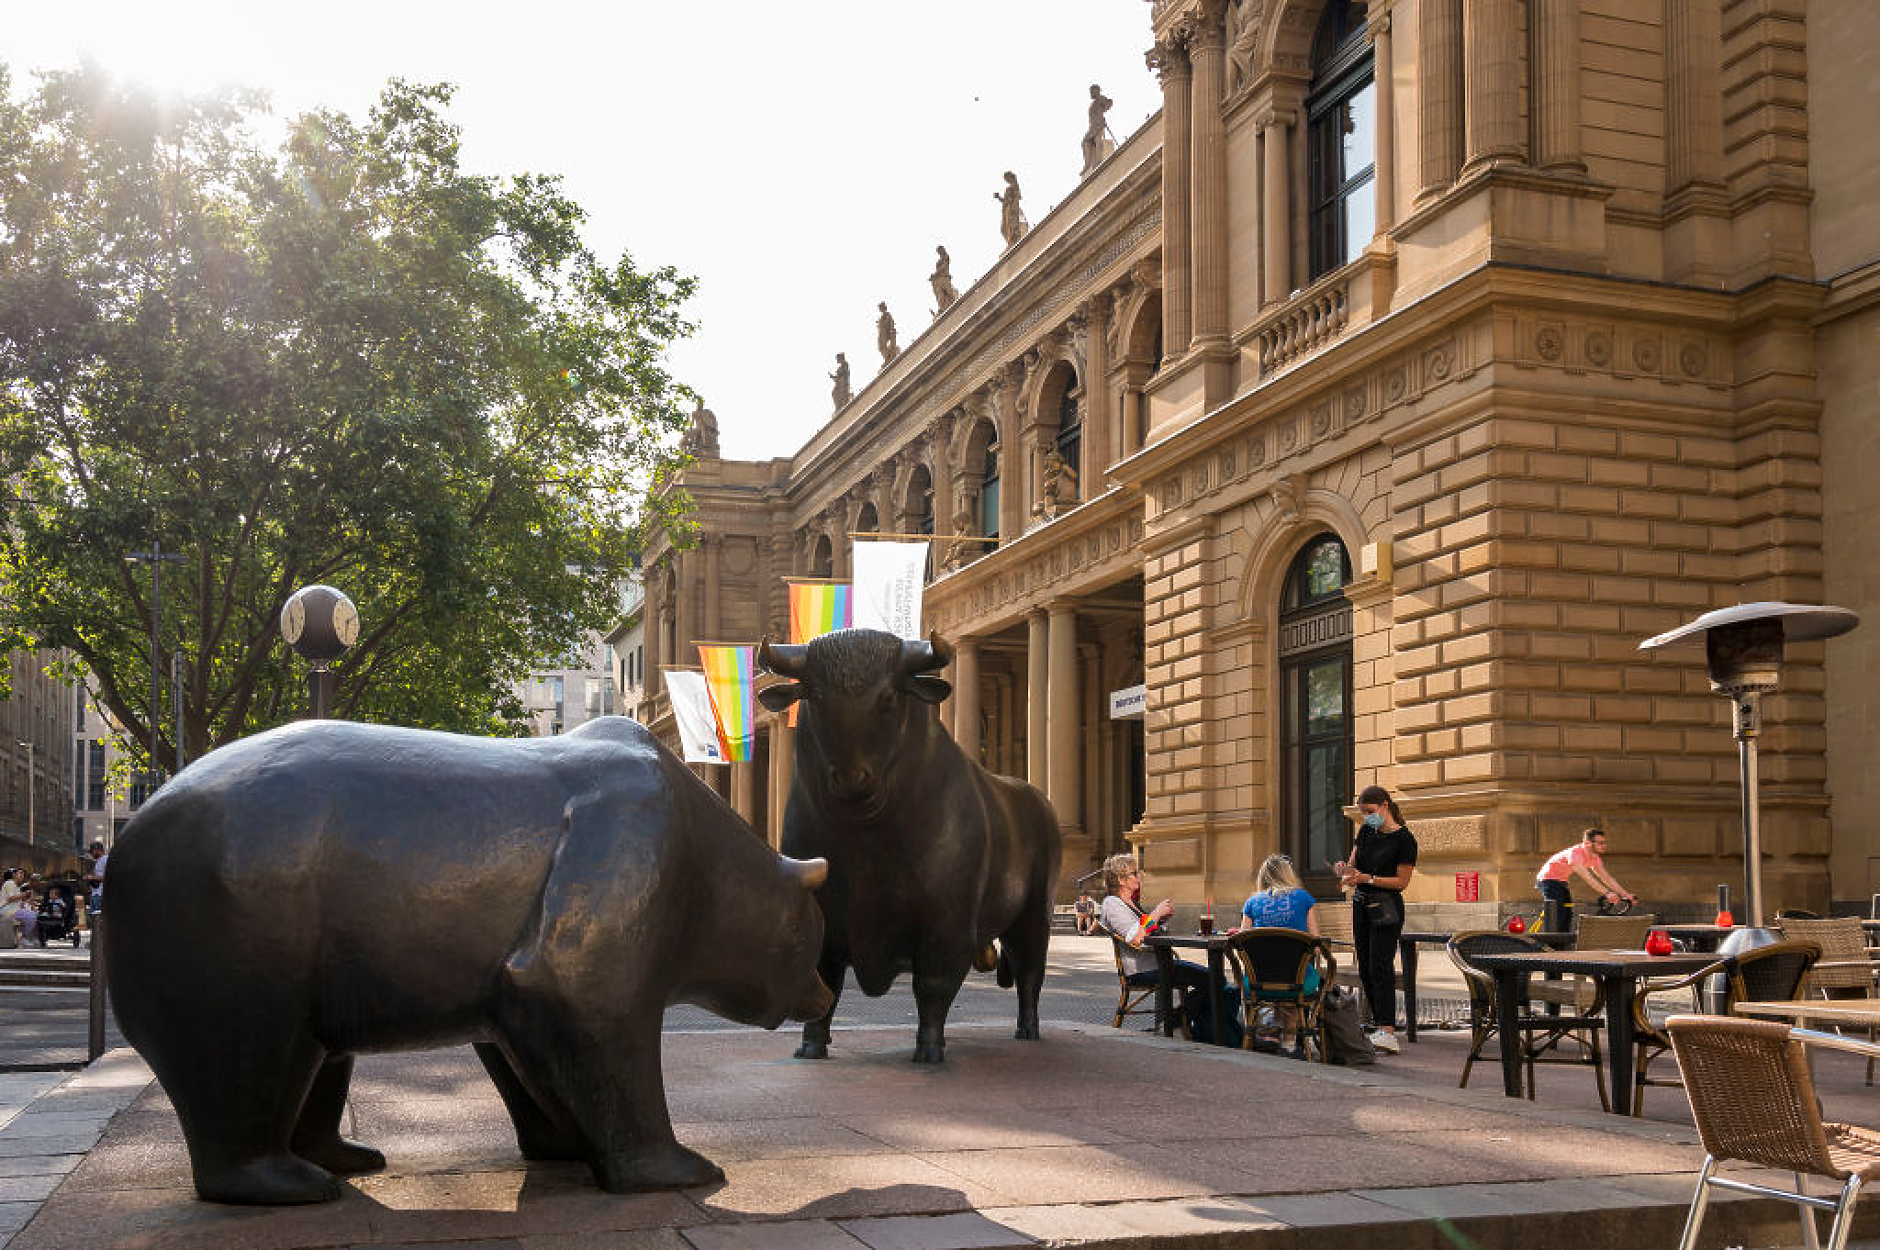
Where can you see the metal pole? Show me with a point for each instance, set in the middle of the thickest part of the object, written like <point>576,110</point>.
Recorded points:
<point>156,665</point>
<point>32,793</point>
<point>1747,719</point>
<point>176,702</point>
<point>320,691</point>
<point>95,1025</point>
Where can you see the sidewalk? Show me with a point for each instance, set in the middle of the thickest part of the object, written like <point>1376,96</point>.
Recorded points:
<point>1090,1137</point>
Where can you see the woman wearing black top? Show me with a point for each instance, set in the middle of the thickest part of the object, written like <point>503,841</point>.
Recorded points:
<point>1383,859</point>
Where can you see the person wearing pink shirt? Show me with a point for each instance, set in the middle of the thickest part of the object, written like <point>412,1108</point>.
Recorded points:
<point>1586,861</point>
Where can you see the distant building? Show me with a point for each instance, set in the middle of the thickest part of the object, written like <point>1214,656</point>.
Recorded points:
<point>628,641</point>
<point>558,699</point>
<point>100,810</point>
<point>36,744</point>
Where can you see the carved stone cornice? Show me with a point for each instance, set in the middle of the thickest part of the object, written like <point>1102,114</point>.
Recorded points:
<point>1168,58</point>
<point>1207,28</point>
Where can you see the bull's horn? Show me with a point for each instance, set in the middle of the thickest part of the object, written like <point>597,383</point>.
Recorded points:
<point>783,659</point>
<point>923,656</point>
<point>811,872</point>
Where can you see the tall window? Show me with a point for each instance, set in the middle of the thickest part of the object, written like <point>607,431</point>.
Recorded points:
<point>95,778</point>
<point>1315,712</point>
<point>989,495</point>
<point>1070,435</point>
<point>1341,143</point>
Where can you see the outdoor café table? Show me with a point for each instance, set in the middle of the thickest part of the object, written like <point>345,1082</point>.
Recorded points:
<point>1862,1012</point>
<point>1164,946</point>
<point>1617,972</point>
<point>1701,937</point>
<point>1407,955</point>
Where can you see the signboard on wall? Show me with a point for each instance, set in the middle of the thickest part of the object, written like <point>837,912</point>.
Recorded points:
<point>1129,702</point>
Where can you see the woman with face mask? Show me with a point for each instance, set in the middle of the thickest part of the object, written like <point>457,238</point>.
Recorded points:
<point>1383,859</point>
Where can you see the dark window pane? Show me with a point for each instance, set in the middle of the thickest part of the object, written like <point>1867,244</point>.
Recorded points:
<point>1325,697</point>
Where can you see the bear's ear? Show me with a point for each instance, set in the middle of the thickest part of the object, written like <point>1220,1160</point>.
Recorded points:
<point>776,698</point>
<point>929,689</point>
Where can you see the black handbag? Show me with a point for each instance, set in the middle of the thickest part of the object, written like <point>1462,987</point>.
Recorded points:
<point>1342,1025</point>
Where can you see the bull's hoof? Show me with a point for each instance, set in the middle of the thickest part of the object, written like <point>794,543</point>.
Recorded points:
<point>342,1157</point>
<point>664,1167</point>
<point>277,1182</point>
<point>1026,1032</point>
<point>930,1052</point>
<point>813,1050</point>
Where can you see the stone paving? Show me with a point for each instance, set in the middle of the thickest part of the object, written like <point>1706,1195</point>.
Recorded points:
<point>1090,1137</point>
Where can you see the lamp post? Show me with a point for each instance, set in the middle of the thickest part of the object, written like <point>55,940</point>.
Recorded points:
<point>32,788</point>
<point>156,557</point>
<point>1743,646</point>
<point>319,623</point>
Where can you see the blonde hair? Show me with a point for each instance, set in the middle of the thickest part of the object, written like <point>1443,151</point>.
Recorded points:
<point>1277,875</point>
<point>1115,867</point>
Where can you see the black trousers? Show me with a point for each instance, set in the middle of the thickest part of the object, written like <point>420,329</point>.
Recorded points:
<point>1557,892</point>
<point>1376,922</point>
<point>1194,978</point>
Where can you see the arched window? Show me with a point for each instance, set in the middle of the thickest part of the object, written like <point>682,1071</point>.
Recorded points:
<point>1341,143</point>
<point>989,493</point>
<point>1315,705</point>
<point>1070,435</point>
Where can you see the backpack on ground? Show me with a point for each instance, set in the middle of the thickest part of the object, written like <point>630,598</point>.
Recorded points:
<point>1342,1025</point>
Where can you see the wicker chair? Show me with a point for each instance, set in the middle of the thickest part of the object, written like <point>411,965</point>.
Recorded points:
<point>1753,1098</point>
<point>1766,974</point>
<point>1131,999</point>
<point>1274,965</point>
<point>1845,969</point>
<point>1541,1033</point>
<point>1593,933</point>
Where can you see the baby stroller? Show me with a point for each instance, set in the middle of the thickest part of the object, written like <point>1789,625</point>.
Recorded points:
<point>58,916</point>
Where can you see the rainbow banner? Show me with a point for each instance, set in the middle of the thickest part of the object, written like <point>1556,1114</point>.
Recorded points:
<point>730,680</point>
<point>817,608</point>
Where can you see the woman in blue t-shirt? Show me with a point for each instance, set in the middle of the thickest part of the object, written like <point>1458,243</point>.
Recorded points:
<point>1280,902</point>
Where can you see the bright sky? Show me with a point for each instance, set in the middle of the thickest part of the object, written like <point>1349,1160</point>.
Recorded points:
<point>802,160</point>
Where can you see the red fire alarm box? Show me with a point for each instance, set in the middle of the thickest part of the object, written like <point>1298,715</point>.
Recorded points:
<point>1468,887</point>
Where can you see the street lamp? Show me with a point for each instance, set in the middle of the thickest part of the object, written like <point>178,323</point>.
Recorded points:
<point>156,557</point>
<point>32,789</point>
<point>320,623</point>
<point>1743,646</point>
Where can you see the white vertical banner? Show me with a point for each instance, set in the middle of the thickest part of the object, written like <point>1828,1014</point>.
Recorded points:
<point>888,578</point>
<point>692,711</point>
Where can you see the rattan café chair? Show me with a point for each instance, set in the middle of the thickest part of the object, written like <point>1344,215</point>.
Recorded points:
<point>1139,1000</point>
<point>1845,969</point>
<point>1753,1098</point>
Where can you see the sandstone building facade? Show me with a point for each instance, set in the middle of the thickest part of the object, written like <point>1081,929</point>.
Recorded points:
<point>1367,407</point>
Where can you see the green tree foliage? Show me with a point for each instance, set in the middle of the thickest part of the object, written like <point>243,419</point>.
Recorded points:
<point>344,360</point>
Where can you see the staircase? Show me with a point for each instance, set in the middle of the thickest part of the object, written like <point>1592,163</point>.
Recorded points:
<point>55,968</point>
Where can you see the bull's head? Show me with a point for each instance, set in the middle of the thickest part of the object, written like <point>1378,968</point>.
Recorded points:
<point>866,688</point>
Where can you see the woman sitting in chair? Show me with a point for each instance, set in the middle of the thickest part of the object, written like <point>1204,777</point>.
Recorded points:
<point>1129,924</point>
<point>1279,901</point>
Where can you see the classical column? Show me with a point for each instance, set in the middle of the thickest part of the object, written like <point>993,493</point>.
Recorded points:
<point>1439,83</point>
<point>711,543</point>
<point>1555,70</point>
<point>1169,59</point>
<point>1276,207</point>
<point>744,790</point>
<point>966,696</point>
<point>1209,271</point>
<point>1100,440</point>
<point>782,771</point>
<point>1037,674</point>
<point>1064,719</point>
<point>1012,460</point>
<point>684,653</point>
<point>1384,120</point>
<point>652,608</point>
<point>1491,82</point>
<point>1693,95</point>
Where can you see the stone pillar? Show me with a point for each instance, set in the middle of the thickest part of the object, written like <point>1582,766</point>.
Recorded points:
<point>839,542</point>
<point>1100,432</point>
<point>966,697</point>
<point>1209,271</point>
<point>1385,120</point>
<point>1693,95</point>
<point>1013,456</point>
<point>744,790</point>
<point>652,612</point>
<point>684,652</point>
<point>1555,74</point>
<point>1276,207</point>
<point>1439,82</point>
<point>1037,672</point>
<point>1491,47</point>
<point>1064,717</point>
<point>711,543</point>
<point>1169,58</point>
<point>782,772</point>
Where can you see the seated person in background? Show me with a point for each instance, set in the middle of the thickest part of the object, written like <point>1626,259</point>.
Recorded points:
<point>27,913</point>
<point>1279,901</point>
<point>1129,924</point>
<point>1086,914</point>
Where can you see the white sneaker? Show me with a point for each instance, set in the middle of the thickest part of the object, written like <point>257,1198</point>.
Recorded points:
<point>1384,1041</point>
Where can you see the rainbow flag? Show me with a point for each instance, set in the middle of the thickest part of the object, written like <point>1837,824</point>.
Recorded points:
<point>730,679</point>
<point>817,608</point>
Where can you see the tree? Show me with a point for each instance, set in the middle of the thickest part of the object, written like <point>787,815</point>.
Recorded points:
<point>343,359</point>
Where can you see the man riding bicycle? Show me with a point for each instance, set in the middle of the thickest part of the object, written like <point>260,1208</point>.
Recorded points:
<point>1586,861</point>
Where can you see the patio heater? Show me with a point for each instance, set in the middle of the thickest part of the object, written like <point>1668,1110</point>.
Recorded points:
<point>1743,645</point>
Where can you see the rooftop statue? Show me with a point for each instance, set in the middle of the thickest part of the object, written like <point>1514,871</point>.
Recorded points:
<point>842,393</point>
<point>1098,142</point>
<point>944,292</point>
<point>701,437</point>
<point>884,334</point>
<point>1012,223</point>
